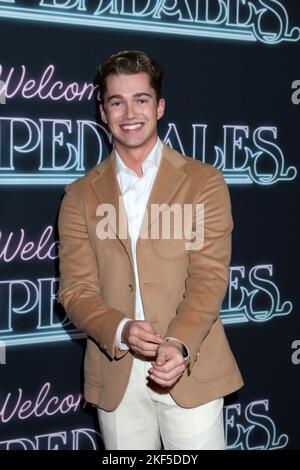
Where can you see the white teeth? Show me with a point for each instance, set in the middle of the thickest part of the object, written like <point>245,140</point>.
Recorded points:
<point>132,126</point>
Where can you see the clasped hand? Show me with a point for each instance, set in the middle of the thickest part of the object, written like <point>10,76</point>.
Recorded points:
<point>169,363</point>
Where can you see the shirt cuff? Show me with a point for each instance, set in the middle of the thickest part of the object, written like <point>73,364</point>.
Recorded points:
<point>118,337</point>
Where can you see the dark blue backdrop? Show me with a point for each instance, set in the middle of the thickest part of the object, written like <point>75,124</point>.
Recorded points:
<point>231,87</point>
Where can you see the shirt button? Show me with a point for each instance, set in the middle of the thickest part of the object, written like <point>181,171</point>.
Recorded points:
<point>130,287</point>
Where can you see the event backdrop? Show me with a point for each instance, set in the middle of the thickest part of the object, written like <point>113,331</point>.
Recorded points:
<point>232,88</point>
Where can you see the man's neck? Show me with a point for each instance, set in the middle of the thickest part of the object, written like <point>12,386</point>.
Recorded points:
<point>134,157</point>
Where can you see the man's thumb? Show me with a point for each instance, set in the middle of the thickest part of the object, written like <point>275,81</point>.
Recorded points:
<point>161,357</point>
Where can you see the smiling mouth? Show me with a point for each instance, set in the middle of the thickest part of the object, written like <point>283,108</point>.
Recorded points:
<point>132,127</point>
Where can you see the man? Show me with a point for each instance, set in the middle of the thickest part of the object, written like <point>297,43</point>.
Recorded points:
<point>157,362</point>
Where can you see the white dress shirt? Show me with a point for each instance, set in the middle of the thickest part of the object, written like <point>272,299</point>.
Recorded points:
<point>135,191</point>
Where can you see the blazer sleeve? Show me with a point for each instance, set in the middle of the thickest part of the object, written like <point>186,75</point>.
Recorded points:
<point>208,268</point>
<point>79,290</point>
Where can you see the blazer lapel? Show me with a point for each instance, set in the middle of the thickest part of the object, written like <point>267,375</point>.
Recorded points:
<point>107,189</point>
<point>169,179</point>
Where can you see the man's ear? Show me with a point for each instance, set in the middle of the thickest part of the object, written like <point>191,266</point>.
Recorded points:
<point>102,113</point>
<point>161,108</point>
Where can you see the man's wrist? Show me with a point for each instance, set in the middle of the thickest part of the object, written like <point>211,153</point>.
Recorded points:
<point>180,346</point>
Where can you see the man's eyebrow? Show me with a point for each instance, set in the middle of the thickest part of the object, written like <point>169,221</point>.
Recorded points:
<point>113,96</point>
<point>143,93</point>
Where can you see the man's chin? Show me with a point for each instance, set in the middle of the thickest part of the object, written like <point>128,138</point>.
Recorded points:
<point>132,143</point>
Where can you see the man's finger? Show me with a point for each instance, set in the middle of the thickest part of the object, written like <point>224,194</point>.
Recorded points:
<point>167,375</point>
<point>145,346</point>
<point>166,383</point>
<point>146,326</point>
<point>149,354</point>
<point>140,329</point>
<point>172,358</point>
<point>149,337</point>
<point>168,365</point>
<point>161,357</point>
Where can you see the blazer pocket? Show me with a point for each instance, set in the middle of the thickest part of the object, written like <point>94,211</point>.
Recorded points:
<point>170,249</point>
<point>169,235</point>
<point>215,359</point>
<point>205,376</point>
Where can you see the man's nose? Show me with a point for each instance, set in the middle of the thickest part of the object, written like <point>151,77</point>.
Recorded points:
<point>130,110</point>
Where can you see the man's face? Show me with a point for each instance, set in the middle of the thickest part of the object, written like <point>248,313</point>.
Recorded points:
<point>131,110</point>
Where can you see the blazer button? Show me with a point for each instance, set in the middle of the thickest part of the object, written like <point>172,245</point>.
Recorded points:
<point>130,287</point>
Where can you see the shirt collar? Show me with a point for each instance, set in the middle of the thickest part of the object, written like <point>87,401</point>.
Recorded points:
<point>153,158</point>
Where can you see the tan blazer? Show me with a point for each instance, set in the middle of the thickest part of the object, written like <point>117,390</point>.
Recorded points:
<point>182,290</point>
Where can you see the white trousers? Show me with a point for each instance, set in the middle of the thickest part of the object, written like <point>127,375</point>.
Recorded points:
<point>145,417</point>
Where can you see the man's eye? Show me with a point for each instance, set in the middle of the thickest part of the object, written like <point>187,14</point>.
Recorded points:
<point>116,104</point>
<point>142,101</point>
